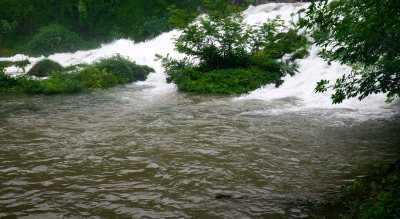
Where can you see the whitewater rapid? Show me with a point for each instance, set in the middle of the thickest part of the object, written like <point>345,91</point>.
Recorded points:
<point>300,87</point>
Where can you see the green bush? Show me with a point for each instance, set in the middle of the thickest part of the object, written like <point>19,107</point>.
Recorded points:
<point>225,81</point>
<point>7,81</point>
<point>8,29</point>
<point>286,43</point>
<point>300,54</point>
<point>91,77</point>
<point>61,83</point>
<point>54,38</point>
<point>45,67</point>
<point>30,85</point>
<point>124,70</point>
<point>375,196</point>
<point>227,55</point>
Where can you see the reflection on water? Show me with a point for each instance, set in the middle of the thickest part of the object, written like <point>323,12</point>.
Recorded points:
<point>125,152</point>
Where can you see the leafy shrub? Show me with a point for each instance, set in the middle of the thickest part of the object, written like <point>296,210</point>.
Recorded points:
<point>30,85</point>
<point>44,67</point>
<point>8,29</point>
<point>375,196</point>
<point>231,81</point>
<point>124,70</point>
<point>220,39</point>
<point>365,36</point>
<point>300,54</point>
<point>6,81</point>
<point>91,77</point>
<point>60,83</point>
<point>54,38</point>
<point>286,43</point>
<point>224,81</point>
<point>75,67</point>
<point>227,55</point>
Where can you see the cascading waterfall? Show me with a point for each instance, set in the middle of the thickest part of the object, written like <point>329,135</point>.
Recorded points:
<point>299,87</point>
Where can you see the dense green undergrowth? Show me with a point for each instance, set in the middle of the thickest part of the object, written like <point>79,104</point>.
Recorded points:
<point>105,73</point>
<point>224,55</point>
<point>376,195</point>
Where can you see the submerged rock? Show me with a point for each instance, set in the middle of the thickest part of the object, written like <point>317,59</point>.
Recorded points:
<point>278,83</point>
<point>222,196</point>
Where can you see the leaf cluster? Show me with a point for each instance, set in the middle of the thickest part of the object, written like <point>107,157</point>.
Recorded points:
<point>375,196</point>
<point>361,33</point>
<point>54,38</point>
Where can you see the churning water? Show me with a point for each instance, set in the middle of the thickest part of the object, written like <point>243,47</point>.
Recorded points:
<point>146,150</point>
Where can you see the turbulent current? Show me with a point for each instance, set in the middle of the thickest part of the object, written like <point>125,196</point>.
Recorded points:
<point>147,150</point>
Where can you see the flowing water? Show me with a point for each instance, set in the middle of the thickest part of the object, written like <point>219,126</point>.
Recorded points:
<point>147,150</point>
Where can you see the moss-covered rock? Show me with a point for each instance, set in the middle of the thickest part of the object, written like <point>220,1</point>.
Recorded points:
<point>44,67</point>
<point>124,70</point>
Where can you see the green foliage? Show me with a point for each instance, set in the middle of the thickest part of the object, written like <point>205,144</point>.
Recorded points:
<point>6,64</point>
<point>234,81</point>
<point>30,85</point>
<point>300,54</point>
<point>124,70</point>
<point>60,83</point>
<point>285,43</point>
<point>375,196</point>
<point>57,83</point>
<point>364,34</point>
<point>221,39</point>
<point>54,38</point>
<point>6,81</point>
<point>91,77</point>
<point>20,64</point>
<point>93,20</point>
<point>8,29</point>
<point>227,55</point>
<point>44,67</point>
<point>105,73</point>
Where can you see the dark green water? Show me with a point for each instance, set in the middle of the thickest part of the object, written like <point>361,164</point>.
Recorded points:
<point>125,152</point>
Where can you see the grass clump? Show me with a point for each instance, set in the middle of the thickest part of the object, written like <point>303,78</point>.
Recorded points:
<point>44,67</point>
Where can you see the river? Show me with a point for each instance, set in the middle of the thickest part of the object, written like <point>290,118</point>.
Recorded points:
<point>147,150</point>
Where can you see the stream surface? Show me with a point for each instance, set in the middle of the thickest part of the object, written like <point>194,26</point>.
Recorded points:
<point>129,152</point>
